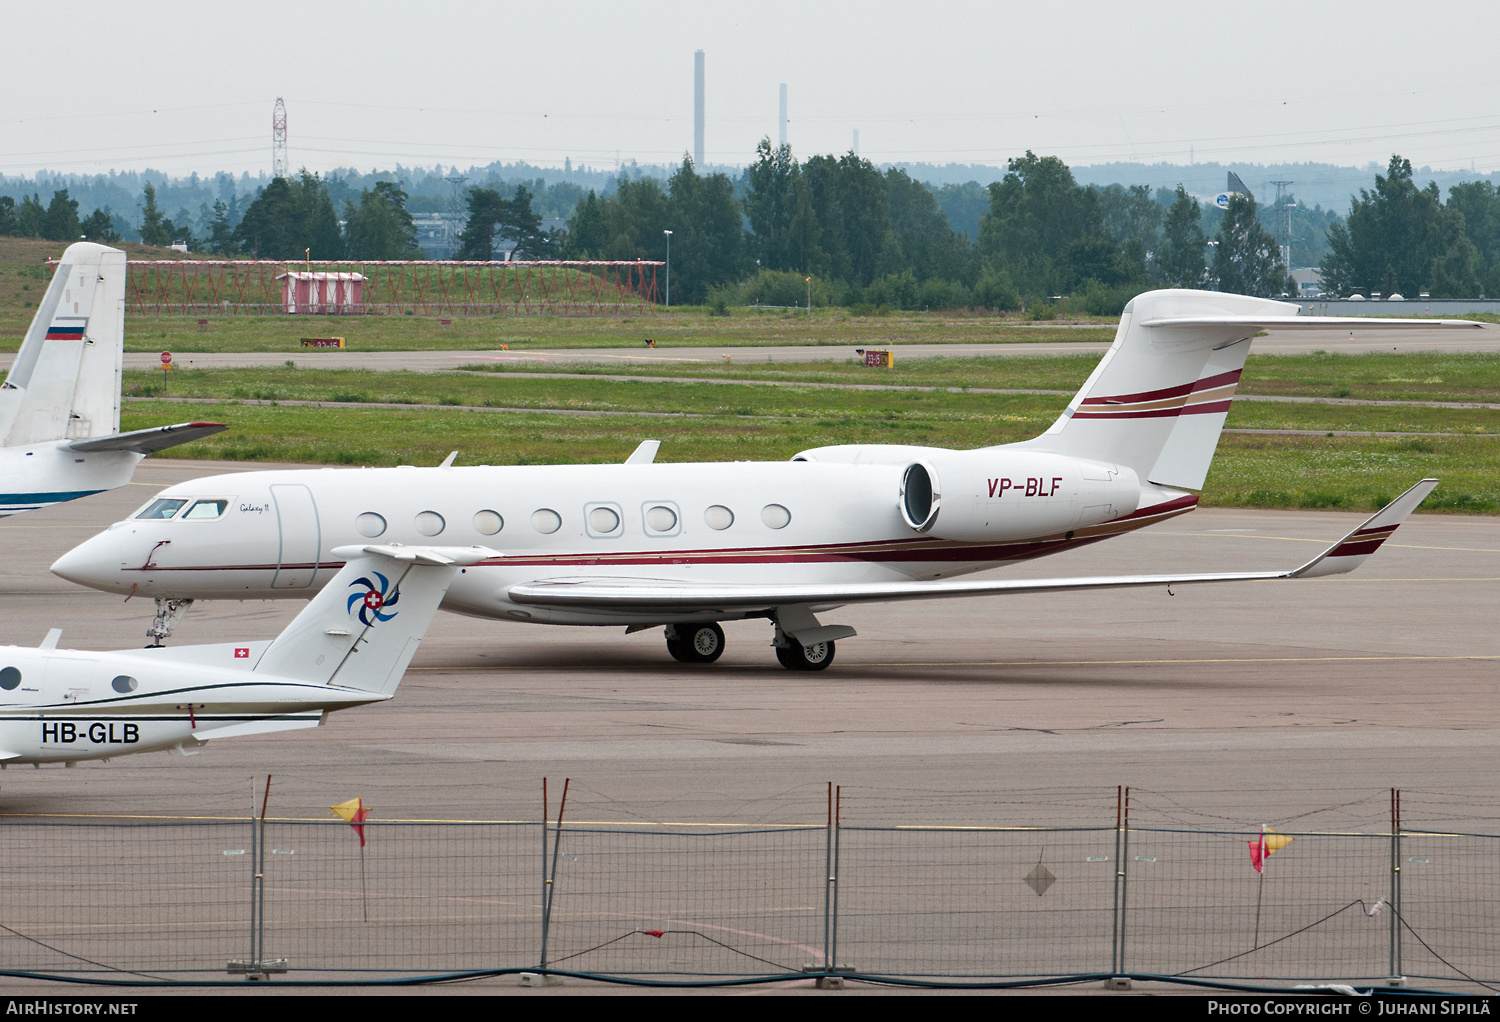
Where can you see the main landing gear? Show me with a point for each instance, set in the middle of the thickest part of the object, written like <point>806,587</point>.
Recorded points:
<point>168,616</point>
<point>815,657</point>
<point>703,643</point>
<point>695,643</point>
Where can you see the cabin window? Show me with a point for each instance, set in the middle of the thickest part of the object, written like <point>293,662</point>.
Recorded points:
<point>430,523</point>
<point>206,509</point>
<point>661,519</point>
<point>718,517</point>
<point>124,683</point>
<point>775,516</point>
<point>166,507</point>
<point>546,521</point>
<point>370,524</point>
<point>487,523</point>
<point>10,677</point>
<point>603,519</point>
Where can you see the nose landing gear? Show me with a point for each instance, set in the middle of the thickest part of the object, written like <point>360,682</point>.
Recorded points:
<point>695,643</point>
<point>168,616</point>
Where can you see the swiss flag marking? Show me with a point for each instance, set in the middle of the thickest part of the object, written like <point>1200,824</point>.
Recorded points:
<point>242,652</point>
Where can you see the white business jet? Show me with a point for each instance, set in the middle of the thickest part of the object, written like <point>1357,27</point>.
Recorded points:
<point>349,647</point>
<point>689,545</point>
<point>60,433</point>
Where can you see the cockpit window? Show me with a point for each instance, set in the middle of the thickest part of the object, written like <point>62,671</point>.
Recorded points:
<point>166,507</point>
<point>206,509</point>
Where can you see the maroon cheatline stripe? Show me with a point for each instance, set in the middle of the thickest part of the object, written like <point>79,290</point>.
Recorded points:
<point>1379,530</point>
<point>1205,407</point>
<point>1221,380</point>
<point>918,549</point>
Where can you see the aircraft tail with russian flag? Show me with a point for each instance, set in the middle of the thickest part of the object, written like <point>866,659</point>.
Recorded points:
<point>60,433</point>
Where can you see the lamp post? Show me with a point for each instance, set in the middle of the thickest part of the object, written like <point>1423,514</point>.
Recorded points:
<point>809,298</point>
<point>669,268</point>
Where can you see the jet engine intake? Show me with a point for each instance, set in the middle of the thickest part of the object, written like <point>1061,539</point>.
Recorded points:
<point>921,498</point>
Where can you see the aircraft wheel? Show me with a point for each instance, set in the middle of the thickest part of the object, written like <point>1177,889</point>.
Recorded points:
<point>696,643</point>
<point>816,657</point>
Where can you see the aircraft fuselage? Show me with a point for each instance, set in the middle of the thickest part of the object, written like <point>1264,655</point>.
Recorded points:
<point>834,514</point>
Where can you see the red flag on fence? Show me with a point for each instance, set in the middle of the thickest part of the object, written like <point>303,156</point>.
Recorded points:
<point>354,813</point>
<point>1267,844</point>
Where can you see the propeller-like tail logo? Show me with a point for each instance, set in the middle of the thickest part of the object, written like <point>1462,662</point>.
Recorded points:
<point>374,600</point>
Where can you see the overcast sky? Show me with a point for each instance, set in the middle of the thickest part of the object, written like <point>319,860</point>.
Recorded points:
<point>180,87</point>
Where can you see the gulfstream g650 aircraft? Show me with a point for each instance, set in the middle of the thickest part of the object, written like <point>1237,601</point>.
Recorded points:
<point>689,545</point>
<point>60,433</point>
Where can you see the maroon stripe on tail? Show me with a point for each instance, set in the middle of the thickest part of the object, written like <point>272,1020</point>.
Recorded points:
<point>1146,395</point>
<point>1221,380</point>
<point>1153,413</point>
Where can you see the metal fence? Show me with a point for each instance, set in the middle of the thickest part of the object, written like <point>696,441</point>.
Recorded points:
<point>304,899</point>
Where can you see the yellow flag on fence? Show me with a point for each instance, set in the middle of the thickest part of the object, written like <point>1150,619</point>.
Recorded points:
<point>1267,844</point>
<point>354,812</point>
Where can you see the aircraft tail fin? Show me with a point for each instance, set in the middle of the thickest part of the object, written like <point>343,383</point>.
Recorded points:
<point>65,382</point>
<point>361,631</point>
<point>1158,399</point>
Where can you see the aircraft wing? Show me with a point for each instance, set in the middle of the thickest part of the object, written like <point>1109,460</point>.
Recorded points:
<point>672,599</point>
<point>147,441</point>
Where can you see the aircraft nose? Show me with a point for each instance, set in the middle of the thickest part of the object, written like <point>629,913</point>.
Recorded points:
<point>94,563</point>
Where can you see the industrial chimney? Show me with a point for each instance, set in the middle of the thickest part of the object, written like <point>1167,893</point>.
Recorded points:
<point>698,110</point>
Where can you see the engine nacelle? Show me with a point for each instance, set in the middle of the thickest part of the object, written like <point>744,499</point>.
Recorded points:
<point>1008,495</point>
<point>996,493</point>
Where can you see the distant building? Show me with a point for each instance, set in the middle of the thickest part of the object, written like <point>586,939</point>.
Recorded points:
<point>1309,282</point>
<point>437,235</point>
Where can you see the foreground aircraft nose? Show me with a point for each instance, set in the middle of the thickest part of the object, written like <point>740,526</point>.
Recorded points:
<point>94,563</point>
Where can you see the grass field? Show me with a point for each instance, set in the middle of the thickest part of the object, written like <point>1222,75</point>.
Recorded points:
<point>1376,376</point>
<point>729,421</point>
<point>1249,471</point>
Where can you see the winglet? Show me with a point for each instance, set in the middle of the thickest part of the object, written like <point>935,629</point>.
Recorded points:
<point>1351,551</point>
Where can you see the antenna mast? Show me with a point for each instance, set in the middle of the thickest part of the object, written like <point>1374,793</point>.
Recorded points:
<point>278,140</point>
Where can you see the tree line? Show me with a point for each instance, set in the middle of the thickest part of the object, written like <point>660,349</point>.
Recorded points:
<point>864,236</point>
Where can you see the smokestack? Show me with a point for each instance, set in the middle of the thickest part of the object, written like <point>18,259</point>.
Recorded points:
<point>698,110</point>
<point>783,113</point>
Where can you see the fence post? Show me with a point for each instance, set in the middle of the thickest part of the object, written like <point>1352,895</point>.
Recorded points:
<point>1397,965</point>
<point>1124,877</point>
<point>838,805</point>
<point>550,887</point>
<point>545,883</point>
<point>1114,916</point>
<point>828,882</point>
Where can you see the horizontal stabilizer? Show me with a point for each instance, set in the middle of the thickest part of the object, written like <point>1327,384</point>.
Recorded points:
<point>1295,322</point>
<point>441,556</point>
<point>287,722</point>
<point>669,600</point>
<point>148,441</point>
